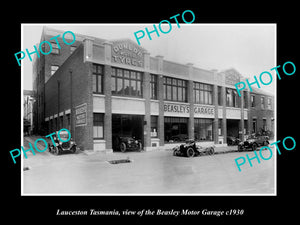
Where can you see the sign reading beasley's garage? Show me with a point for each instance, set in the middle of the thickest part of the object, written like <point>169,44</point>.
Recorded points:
<point>182,109</point>
<point>80,115</point>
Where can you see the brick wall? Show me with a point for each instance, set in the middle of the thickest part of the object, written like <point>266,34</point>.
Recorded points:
<point>58,99</point>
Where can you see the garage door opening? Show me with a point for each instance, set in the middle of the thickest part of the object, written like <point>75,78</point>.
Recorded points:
<point>126,126</point>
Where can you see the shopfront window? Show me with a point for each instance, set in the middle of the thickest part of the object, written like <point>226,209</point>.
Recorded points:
<point>154,126</point>
<point>176,129</point>
<point>126,82</point>
<point>98,125</point>
<point>97,78</point>
<point>202,93</point>
<point>175,89</point>
<point>203,129</point>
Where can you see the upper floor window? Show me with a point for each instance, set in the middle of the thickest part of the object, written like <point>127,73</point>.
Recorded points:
<point>53,69</point>
<point>153,86</point>
<point>231,97</point>
<point>126,82</point>
<point>252,101</point>
<point>55,49</point>
<point>262,102</point>
<point>202,93</point>
<point>269,106</point>
<point>97,78</point>
<point>175,89</point>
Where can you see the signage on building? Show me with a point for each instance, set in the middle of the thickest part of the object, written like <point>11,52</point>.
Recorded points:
<point>81,115</point>
<point>232,77</point>
<point>179,108</point>
<point>128,53</point>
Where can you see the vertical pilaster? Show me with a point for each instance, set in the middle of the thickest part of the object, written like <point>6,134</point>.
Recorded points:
<point>215,103</point>
<point>160,84</point>
<point>146,96</point>
<point>242,115</point>
<point>108,99</point>
<point>190,97</point>
<point>224,120</point>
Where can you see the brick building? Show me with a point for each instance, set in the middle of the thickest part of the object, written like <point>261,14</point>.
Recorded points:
<point>99,89</point>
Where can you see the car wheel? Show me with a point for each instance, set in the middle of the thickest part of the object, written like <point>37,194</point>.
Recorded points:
<point>56,151</point>
<point>266,143</point>
<point>123,147</point>
<point>211,151</point>
<point>254,146</point>
<point>190,152</point>
<point>73,149</point>
<point>240,148</point>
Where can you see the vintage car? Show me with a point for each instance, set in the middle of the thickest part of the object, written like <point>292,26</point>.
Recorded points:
<point>253,142</point>
<point>191,149</point>
<point>126,143</point>
<point>69,146</point>
<point>232,140</point>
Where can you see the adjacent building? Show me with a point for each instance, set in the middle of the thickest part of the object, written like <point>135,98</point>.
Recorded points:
<point>100,89</point>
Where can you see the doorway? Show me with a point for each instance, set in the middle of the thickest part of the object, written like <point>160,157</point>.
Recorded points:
<point>124,125</point>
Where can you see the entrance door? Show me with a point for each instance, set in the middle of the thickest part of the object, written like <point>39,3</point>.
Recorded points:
<point>127,126</point>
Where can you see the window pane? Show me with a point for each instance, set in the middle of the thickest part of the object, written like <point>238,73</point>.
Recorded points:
<point>184,95</point>
<point>119,85</point>
<point>126,73</point>
<point>169,93</point>
<point>126,87</point>
<point>133,74</point>
<point>174,93</point>
<point>139,88</point>
<point>100,84</point>
<point>94,83</point>
<point>113,85</point>
<point>179,94</point>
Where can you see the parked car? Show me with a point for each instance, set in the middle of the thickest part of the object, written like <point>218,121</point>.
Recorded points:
<point>232,140</point>
<point>62,146</point>
<point>253,142</point>
<point>179,138</point>
<point>126,143</point>
<point>191,149</point>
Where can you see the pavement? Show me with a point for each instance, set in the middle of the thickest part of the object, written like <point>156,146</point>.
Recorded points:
<point>142,173</point>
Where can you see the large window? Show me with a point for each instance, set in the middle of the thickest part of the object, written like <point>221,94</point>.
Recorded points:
<point>269,104</point>
<point>55,49</point>
<point>98,125</point>
<point>154,126</point>
<point>262,101</point>
<point>231,98</point>
<point>252,101</point>
<point>53,69</point>
<point>153,86</point>
<point>126,82</point>
<point>176,129</point>
<point>203,129</point>
<point>175,89</point>
<point>97,79</point>
<point>202,93</point>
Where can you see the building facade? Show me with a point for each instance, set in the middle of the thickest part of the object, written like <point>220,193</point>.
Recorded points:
<point>100,89</point>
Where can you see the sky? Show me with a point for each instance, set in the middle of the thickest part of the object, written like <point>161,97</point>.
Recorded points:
<point>248,48</point>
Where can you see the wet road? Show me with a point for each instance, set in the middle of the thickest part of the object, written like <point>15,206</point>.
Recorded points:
<point>156,172</point>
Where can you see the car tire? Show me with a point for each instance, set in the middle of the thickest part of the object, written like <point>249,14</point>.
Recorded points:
<point>140,148</point>
<point>240,148</point>
<point>73,149</point>
<point>123,147</point>
<point>190,152</point>
<point>57,151</point>
<point>211,151</point>
<point>254,146</point>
